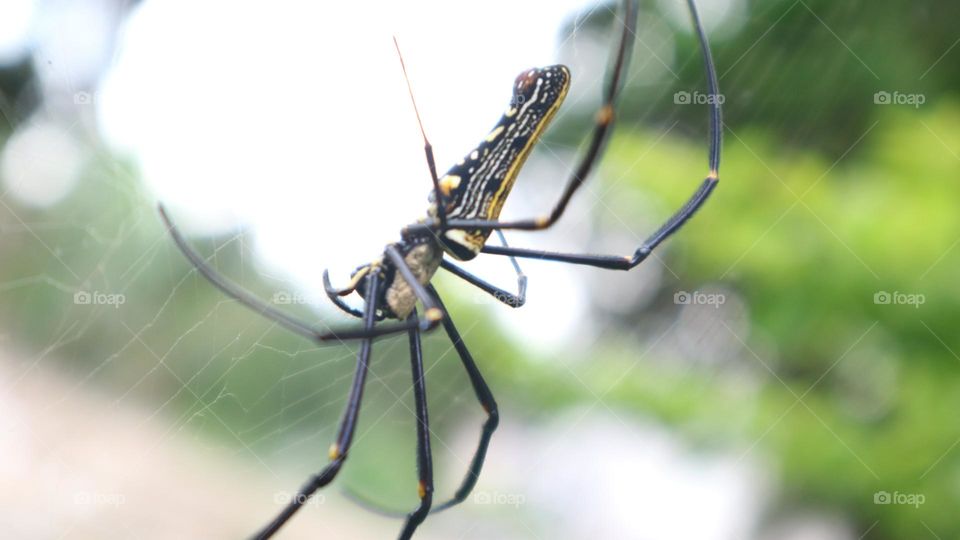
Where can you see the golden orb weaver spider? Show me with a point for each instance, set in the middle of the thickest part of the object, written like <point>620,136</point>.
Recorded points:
<point>465,207</point>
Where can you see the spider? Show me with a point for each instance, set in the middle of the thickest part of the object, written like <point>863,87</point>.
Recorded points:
<point>464,208</point>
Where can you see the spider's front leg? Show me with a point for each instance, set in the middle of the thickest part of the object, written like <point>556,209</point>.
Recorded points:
<point>615,262</point>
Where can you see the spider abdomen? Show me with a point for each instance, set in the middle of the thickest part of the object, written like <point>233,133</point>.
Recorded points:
<point>477,186</point>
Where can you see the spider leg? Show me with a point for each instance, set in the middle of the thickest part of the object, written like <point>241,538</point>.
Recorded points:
<point>427,147</point>
<point>489,404</point>
<point>437,192</point>
<point>235,291</point>
<point>506,297</point>
<point>424,459</point>
<point>340,448</point>
<point>335,297</point>
<point>615,262</point>
<point>487,401</point>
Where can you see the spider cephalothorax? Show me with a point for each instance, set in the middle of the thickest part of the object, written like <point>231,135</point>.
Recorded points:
<point>422,257</point>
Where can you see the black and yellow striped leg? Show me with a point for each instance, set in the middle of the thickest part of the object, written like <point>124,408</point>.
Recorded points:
<point>614,262</point>
<point>339,449</point>
<point>432,315</point>
<point>424,458</point>
<point>489,404</point>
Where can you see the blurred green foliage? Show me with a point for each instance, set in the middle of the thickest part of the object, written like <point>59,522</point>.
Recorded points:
<point>859,396</point>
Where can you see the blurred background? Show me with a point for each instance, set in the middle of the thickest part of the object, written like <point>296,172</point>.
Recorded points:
<point>786,367</point>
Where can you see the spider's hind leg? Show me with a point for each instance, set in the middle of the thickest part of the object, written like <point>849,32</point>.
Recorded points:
<point>340,448</point>
<point>489,404</point>
<point>424,458</point>
<point>487,401</point>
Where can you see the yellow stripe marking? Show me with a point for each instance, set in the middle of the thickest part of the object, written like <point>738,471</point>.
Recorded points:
<point>496,203</point>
